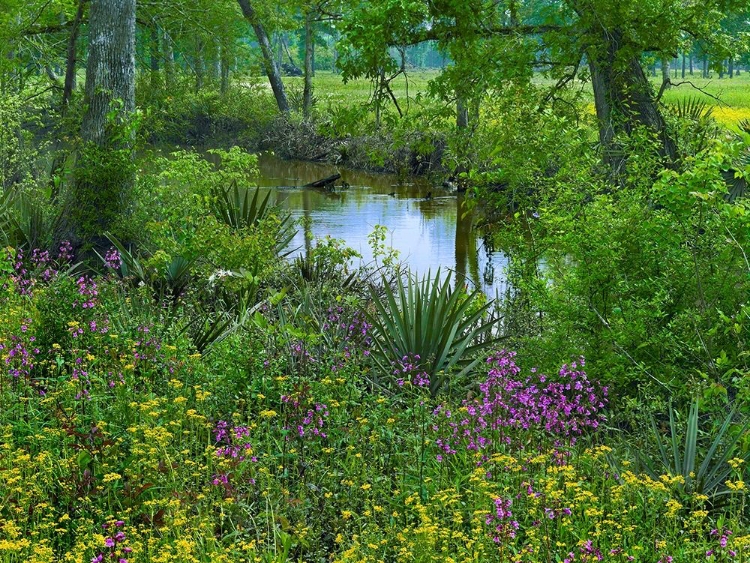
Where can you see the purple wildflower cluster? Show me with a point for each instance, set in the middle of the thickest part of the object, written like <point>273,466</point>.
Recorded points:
<point>38,267</point>
<point>563,407</point>
<point>88,291</point>
<point>116,550</point>
<point>148,353</point>
<point>721,535</point>
<point>233,445</point>
<point>349,332</point>
<point>503,527</point>
<point>305,417</point>
<point>20,353</point>
<point>112,259</point>
<point>351,329</point>
<point>409,370</point>
<point>586,553</point>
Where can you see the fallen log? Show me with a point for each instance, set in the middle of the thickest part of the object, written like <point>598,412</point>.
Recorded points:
<point>324,182</point>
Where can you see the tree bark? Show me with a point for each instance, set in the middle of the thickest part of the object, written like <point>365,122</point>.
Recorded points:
<point>309,42</point>
<point>624,99</point>
<point>104,172</point>
<point>168,60</point>
<point>684,65</point>
<point>665,71</point>
<point>462,113</point>
<point>71,60</point>
<point>225,67</point>
<point>271,68</point>
<point>200,65</point>
<point>154,55</point>
<point>110,72</point>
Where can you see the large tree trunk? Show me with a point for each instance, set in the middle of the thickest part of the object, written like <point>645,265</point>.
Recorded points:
<point>624,99</point>
<point>309,42</point>
<point>272,69</point>
<point>104,172</point>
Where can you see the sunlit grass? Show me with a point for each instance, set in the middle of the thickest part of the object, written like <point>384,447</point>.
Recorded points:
<point>730,98</point>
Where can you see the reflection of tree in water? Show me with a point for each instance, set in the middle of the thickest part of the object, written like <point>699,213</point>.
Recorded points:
<point>466,246</point>
<point>488,274</point>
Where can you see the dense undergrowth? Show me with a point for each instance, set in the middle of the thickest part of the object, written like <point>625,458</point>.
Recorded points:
<point>201,400</point>
<point>192,396</point>
<point>121,441</point>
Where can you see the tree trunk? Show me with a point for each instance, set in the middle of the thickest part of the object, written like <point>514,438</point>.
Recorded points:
<point>216,66</point>
<point>154,56</point>
<point>665,71</point>
<point>624,99</point>
<point>104,172</point>
<point>70,61</point>
<point>168,60</point>
<point>731,68</point>
<point>200,65</point>
<point>309,42</point>
<point>705,66</point>
<point>225,67</point>
<point>272,70</point>
<point>684,65</point>
<point>462,113</point>
<point>691,64</point>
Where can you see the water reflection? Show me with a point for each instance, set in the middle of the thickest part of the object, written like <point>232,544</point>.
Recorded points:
<point>429,232</point>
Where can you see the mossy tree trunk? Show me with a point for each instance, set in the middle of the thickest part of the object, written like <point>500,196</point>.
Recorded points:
<point>104,172</point>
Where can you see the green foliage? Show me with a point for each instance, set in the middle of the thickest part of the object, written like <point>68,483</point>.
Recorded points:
<point>18,150</point>
<point>101,191</point>
<point>237,209</point>
<point>635,277</point>
<point>675,459</point>
<point>427,319</point>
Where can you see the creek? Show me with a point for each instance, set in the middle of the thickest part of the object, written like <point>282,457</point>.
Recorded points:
<point>427,224</point>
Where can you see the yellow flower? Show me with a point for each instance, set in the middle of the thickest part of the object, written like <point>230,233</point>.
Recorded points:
<point>672,507</point>
<point>735,463</point>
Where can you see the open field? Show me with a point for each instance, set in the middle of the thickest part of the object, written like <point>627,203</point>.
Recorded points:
<point>730,98</point>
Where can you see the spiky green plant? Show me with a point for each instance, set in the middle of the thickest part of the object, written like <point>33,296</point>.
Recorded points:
<point>682,455</point>
<point>239,209</point>
<point>446,328</point>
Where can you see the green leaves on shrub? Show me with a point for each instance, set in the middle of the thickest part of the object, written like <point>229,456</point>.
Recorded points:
<point>446,328</point>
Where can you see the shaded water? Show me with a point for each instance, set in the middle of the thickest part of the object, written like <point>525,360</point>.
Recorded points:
<point>426,224</point>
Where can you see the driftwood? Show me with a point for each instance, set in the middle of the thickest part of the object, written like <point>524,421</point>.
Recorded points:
<point>326,183</point>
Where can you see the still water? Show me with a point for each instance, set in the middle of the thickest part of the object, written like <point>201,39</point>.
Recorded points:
<point>425,223</point>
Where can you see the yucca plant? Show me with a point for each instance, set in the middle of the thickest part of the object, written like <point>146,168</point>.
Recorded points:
<point>22,221</point>
<point>682,455</point>
<point>240,209</point>
<point>446,328</point>
<point>171,282</point>
<point>692,108</point>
